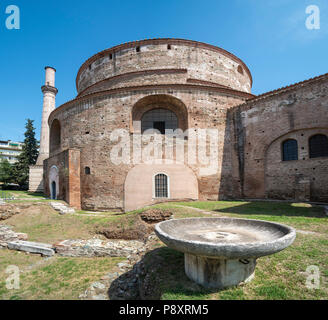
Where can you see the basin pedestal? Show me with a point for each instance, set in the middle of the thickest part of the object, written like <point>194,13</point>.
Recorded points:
<point>218,273</point>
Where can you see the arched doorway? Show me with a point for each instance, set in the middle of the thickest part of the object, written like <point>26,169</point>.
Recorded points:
<point>53,190</point>
<point>54,183</point>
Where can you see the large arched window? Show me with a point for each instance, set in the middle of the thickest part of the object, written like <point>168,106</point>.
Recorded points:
<point>289,150</point>
<point>161,186</point>
<point>318,146</point>
<point>55,136</point>
<point>159,119</point>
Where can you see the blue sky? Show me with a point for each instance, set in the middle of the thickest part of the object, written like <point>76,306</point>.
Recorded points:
<point>268,35</point>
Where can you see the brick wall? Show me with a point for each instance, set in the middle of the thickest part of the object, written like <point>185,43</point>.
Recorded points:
<point>260,128</point>
<point>87,126</point>
<point>68,165</point>
<point>202,62</point>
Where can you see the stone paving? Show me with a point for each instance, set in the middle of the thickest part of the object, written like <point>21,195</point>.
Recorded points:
<point>61,208</point>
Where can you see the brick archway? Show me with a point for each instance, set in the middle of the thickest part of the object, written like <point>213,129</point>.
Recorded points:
<point>159,101</point>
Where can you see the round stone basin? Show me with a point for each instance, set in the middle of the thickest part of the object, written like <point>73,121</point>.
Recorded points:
<point>222,252</point>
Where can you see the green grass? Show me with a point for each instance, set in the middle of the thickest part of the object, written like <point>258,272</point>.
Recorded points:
<point>56,279</point>
<point>299,215</point>
<point>278,277</point>
<point>44,224</point>
<point>24,195</point>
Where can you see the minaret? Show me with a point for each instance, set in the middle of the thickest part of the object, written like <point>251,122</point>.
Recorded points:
<point>49,104</point>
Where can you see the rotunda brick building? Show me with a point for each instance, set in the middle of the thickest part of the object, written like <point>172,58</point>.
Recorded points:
<point>174,84</point>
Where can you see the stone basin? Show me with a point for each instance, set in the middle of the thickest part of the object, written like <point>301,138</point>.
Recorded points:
<point>222,252</point>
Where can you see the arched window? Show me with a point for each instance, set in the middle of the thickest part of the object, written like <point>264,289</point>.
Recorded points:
<point>318,146</point>
<point>289,150</point>
<point>161,186</point>
<point>55,134</point>
<point>87,170</point>
<point>160,119</point>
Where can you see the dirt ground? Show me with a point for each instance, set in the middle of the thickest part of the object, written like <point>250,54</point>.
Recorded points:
<point>135,227</point>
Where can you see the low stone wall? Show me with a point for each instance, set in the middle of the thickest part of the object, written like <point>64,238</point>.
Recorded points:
<point>125,275</point>
<point>98,248</point>
<point>8,210</point>
<point>8,235</point>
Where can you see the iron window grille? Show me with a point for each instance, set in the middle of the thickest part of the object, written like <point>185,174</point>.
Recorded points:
<point>290,150</point>
<point>160,119</point>
<point>318,146</point>
<point>161,186</point>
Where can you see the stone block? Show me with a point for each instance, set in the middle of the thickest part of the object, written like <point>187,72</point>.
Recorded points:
<point>32,247</point>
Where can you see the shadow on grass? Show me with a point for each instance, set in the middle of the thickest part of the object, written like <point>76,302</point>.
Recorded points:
<point>36,194</point>
<point>159,275</point>
<point>259,208</point>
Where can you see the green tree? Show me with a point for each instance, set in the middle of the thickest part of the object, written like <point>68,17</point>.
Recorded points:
<point>6,172</point>
<point>27,157</point>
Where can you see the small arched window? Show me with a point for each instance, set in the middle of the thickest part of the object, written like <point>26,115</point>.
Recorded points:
<point>161,186</point>
<point>87,170</point>
<point>289,150</point>
<point>318,146</point>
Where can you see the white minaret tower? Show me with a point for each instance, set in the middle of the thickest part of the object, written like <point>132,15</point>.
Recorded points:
<point>49,104</point>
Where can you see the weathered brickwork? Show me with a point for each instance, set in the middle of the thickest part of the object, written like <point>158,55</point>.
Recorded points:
<point>89,130</point>
<point>262,125</point>
<point>203,62</point>
<point>206,88</point>
<point>67,164</point>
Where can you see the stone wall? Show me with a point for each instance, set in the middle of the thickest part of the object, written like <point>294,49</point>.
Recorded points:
<point>36,179</point>
<point>202,62</point>
<point>88,123</point>
<point>262,125</point>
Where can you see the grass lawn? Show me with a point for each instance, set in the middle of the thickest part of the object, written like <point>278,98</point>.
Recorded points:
<point>279,276</point>
<point>43,224</point>
<point>54,278</point>
<point>20,195</point>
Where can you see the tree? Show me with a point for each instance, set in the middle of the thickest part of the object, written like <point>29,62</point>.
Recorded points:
<point>27,157</point>
<point>6,172</point>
